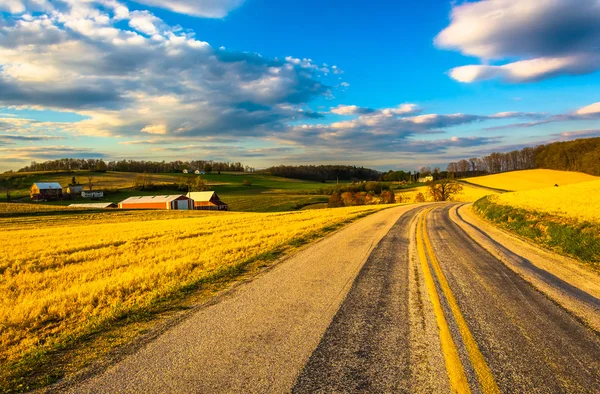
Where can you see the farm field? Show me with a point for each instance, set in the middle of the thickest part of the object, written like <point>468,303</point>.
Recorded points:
<point>530,179</point>
<point>468,194</point>
<point>580,201</point>
<point>71,272</point>
<point>265,193</point>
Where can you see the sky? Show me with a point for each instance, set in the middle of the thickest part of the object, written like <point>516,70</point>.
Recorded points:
<point>383,84</point>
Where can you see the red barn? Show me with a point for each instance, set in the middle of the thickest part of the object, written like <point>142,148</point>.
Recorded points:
<point>208,201</point>
<point>158,202</point>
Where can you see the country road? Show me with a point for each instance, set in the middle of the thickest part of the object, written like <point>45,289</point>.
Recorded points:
<point>414,299</point>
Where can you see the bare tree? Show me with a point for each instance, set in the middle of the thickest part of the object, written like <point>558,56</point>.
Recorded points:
<point>444,189</point>
<point>90,182</point>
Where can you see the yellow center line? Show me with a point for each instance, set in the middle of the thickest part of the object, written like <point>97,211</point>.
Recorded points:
<point>454,367</point>
<point>484,374</point>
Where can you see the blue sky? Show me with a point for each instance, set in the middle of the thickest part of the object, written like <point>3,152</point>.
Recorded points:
<point>383,84</point>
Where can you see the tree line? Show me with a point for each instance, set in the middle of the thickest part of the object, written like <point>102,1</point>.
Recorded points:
<point>324,173</point>
<point>135,166</point>
<point>581,155</point>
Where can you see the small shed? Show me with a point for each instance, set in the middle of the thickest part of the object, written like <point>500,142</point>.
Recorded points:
<point>99,205</point>
<point>208,201</point>
<point>46,191</point>
<point>74,189</point>
<point>178,202</point>
<point>92,194</point>
<point>185,171</point>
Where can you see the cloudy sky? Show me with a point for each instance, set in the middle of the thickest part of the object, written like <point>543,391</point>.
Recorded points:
<point>388,85</point>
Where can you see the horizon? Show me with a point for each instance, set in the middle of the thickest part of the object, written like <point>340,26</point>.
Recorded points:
<point>385,86</point>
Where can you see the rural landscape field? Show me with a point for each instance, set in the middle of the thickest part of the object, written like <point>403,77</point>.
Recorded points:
<point>268,196</point>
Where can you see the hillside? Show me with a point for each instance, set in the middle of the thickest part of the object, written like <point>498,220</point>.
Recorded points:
<point>565,201</point>
<point>530,179</point>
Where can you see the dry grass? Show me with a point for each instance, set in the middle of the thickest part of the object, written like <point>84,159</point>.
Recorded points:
<point>531,179</point>
<point>67,274</point>
<point>579,201</point>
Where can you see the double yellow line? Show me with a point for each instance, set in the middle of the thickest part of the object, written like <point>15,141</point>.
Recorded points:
<point>454,366</point>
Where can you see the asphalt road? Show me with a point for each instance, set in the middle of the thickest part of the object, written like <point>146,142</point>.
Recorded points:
<point>402,301</point>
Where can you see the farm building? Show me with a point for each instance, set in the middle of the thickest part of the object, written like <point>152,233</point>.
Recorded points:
<point>99,205</point>
<point>158,202</point>
<point>92,194</point>
<point>428,178</point>
<point>46,191</point>
<point>208,201</point>
<point>74,189</point>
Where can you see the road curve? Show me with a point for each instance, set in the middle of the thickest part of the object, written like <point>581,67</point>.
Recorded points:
<point>402,301</point>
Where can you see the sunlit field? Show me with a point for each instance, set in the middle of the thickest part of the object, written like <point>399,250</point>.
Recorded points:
<point>530,179</point>
<point>580,201</point>
<point>468,194</point>
<point>62,274</point>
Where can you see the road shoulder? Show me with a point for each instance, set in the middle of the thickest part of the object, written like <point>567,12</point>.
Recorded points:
<point>566,281</point>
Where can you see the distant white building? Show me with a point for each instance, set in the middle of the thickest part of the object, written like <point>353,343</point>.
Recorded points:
<point>198,172</point>
<point>425,179</point>
<point>185,171</point>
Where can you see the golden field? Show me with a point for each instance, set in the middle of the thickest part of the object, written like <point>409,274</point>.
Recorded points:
<point>62,274</point>
<point>468,194</point>
<point>580,201</point>
<point>531,179</point>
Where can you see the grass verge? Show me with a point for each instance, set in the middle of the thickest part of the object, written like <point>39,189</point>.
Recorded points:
<point>571,237</point>
<point>106,337</point>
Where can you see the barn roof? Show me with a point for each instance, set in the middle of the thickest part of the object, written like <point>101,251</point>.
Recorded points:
<point>201,196</point>
<point>48,185</point>
<point>100,205</point>
<point>150,199</point>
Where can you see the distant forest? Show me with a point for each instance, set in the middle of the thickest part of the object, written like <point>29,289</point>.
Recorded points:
<point>135,166</point>
<point>325,173</point>
<point>581,155</point>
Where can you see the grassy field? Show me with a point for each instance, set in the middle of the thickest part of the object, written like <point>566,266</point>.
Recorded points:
<point>264,194</point>
<point>530,179</point>
<point>71,274</point>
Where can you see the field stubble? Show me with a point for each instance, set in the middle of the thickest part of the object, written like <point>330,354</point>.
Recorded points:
<point>65,277</point>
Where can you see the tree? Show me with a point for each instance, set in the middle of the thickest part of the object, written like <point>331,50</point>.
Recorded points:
<point>419,197</point>
<point>388,197</point>
<point>90,182</point>
<point>101,166</point>
<point>73,182</point>
<point>443,190</point>
<point>335,201</point>
<point>200,184</point>
<point>348,199</point>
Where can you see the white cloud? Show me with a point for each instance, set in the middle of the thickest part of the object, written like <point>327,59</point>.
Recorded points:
<point>548,37</point>
<point>155,129</point>
<point>201,8</point>
<point>592,109</point>
<point>144,22</point>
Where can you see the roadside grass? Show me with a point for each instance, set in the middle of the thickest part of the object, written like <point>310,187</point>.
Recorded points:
<point>51,328</point>
<point>567,236</point>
